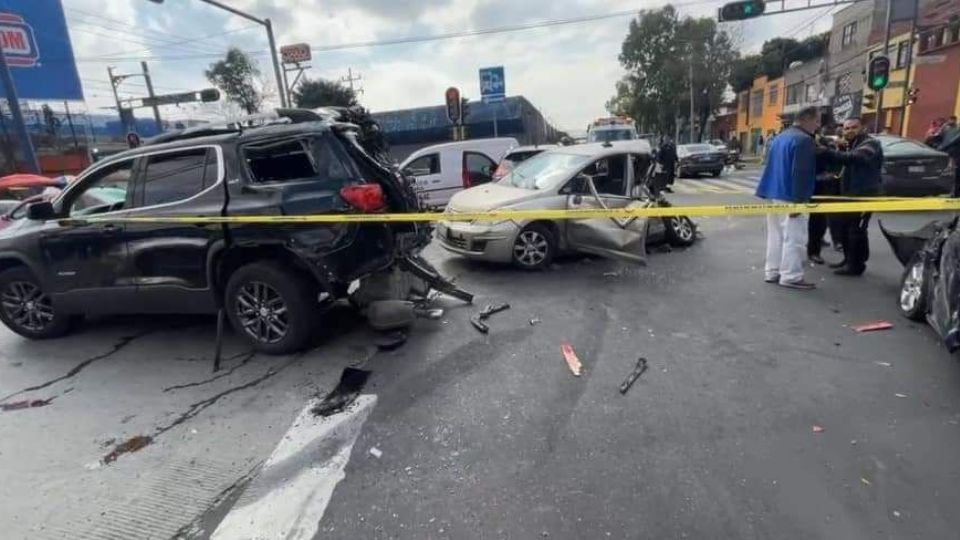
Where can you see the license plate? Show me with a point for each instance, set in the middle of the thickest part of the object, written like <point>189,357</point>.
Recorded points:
<point>916,169</point>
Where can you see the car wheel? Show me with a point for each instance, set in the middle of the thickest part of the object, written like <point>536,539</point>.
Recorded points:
<point>680,231</point>
<point>913,301</point>
<point>26,309</point>
<point>717,173</point>
<point>534,247</point>
<point>272,307</point>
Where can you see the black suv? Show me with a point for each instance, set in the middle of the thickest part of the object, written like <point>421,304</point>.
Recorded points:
<point>271,280</point>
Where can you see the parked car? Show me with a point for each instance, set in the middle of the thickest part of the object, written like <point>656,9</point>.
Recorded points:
<point>518,155</point>
<point>271,281</point>
<point>444,169</point>
<point>693,159</point>
<point>593,175</point>
<point>931,279</point>
<point>912,169</point>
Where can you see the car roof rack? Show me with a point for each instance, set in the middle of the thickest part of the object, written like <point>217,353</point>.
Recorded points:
<point>243,123</point>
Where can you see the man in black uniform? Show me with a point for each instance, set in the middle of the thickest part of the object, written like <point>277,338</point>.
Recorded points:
<point>861,157</point>
<point>826,184</point>
<point>667,156</point>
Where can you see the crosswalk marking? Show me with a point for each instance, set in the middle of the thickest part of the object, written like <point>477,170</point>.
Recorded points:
<point>690,186</point>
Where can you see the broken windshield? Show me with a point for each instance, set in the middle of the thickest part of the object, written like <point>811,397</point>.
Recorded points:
<point>544,171</point>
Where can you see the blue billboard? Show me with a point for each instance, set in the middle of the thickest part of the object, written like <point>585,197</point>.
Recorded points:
<point>493,85</point>
<point>36,45</point>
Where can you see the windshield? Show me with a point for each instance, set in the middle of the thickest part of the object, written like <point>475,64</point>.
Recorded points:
<point>606,135</point>
<point>544,171</point>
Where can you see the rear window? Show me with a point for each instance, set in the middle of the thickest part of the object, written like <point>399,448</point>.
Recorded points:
<point>517,157</point>
<point>307,158</point>
<point>903,147</point>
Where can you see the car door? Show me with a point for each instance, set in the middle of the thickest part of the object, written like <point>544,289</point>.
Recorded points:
<point>85,260</point>
<point>607,183</point>
<point>168,261</point>
<point>427,171</point>
<point>477,168</point>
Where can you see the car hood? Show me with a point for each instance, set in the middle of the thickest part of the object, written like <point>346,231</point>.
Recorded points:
<point>490,196</point>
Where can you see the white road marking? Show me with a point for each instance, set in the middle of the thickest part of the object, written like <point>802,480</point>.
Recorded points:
<point>291,493</point>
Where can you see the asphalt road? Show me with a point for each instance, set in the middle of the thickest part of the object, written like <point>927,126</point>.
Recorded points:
<point>491,436</point>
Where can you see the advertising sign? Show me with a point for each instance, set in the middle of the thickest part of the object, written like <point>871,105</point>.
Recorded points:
<point>37,48</point>
<point>295,54</point>
<point>493,86</point>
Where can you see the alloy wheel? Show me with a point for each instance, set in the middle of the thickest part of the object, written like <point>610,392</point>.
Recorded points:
<point>912,288</point>
<point>262,312</point>
<point>682,228</point>
<point>531,248</point>
<point>27,306</point>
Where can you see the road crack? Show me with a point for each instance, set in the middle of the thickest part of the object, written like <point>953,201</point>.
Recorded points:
<point>245,359</point>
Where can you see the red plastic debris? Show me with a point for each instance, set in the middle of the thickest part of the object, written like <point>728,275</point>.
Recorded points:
<point>873,326</point>
<point>818,429</point>
<point>571,357</point>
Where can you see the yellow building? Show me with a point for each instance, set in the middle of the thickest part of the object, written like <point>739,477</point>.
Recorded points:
<point>893,94</point>
<point>758,112</point>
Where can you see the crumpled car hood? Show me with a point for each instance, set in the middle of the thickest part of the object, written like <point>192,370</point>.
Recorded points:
<point>489,197</point>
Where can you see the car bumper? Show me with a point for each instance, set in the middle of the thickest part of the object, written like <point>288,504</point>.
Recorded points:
<point>483,241</point>
<point>698,167</point>
<point>916,186</point>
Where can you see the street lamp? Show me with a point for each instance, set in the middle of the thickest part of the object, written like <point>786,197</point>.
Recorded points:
<point>273,44</point>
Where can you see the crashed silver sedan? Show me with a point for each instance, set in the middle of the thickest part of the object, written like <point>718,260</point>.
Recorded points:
<point>588,176</point>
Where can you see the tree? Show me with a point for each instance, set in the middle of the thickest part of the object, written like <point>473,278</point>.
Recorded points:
<point>743,72</point>
<point>775,57</point>
<point>235,76</point>
<point>311,94</point>
<point>658,53</point>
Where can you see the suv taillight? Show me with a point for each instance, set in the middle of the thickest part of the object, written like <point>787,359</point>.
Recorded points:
<point>366,197</point>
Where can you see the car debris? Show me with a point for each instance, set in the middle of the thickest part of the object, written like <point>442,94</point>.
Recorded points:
<point>901,396</point>
<point>872,326</point>
<point>25,404</point>
<point>376,452</point>
<point>485,313</point>
<point>571,357</point>
<point>818,429</point>
<point>133,444</point>
<point>351,383</point>
<point>535,321</point>
<point>634,375</point>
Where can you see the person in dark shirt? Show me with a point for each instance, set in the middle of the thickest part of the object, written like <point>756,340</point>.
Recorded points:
<point>667,156</point>
<point>862,158</point>
<point>827,183</point>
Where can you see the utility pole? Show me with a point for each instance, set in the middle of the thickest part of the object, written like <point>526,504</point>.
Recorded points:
<point>26,145</point>
<point>690,71</point>
<point>113,84</point>
<point>906,77</point>
<point>886,47</point>
<point>156,109</point>
<point>73,132</point>
<point>349,79</point>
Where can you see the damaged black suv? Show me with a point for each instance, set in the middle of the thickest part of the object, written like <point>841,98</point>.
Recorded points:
<point>73,257</point>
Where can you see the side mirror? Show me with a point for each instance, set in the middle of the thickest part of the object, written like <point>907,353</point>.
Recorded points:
<point>40,211</point>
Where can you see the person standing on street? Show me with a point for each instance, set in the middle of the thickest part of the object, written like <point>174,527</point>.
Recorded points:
<point>789,177</point>
<point>862,158</point>
<point>826,184</point>
<point>949,142</point>
<point>667,155</point>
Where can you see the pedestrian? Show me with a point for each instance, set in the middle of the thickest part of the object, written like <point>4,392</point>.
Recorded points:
<point>949,142</point>
<point>861,157</point>
<point>932,137</point>
<point>827,175</point>
<point>789,177</point>
<point>667,155</point>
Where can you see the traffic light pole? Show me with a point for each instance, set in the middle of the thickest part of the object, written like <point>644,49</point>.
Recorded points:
<point>26,145</point>
<point>906,77</point>
<point>886,47</point>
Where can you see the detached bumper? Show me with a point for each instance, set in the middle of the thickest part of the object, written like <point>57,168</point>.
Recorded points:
<point>483,241</point>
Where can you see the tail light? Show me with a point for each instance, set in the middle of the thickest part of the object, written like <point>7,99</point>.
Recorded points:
<point>364,197</point>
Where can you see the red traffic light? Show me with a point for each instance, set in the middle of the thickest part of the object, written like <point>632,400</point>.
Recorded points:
<point>454,105</point>
<point>738,11</point>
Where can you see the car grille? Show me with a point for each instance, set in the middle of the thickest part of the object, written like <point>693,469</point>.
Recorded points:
<point>461,243</point>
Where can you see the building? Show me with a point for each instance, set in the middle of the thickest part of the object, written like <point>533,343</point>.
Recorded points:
<point>849,38</point>
<point>408,130</point>
<point>723,124</point>
<point>758,113</point>
<point>804,87</point>
<point>894,94</point>
<point>936,67</point>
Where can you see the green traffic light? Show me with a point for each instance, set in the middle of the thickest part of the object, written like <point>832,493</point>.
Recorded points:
<point>879,82</point>
<point>748,9</point>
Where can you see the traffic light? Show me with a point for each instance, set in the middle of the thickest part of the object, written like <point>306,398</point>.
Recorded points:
<point>878,73</point>
<point>745,9</point>
<point>454,105</point>
<point>209,94</point>
<point>912,95</point>
<point>464,109</point>
<point>869,101</point>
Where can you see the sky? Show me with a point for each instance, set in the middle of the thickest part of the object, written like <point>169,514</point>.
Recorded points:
<point>567,71</point>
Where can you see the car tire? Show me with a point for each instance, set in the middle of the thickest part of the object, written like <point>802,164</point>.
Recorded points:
<point>680,231</point>
<point>272,307</point>
<point>717,173</point>
<point>534,247</point>
<point>913,291</point>
<point>27,310</point>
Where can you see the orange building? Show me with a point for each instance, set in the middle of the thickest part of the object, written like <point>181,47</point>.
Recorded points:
<point>758,112</point>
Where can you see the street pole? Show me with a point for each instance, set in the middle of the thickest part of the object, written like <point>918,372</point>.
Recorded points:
<point>906,77</point>
<point>156,109</point>
<point>495,106</point>
<point>281,90</point>
<point>26,145</point>
<point>690,70</point>
<point>886,47</point>
<point>73,132</point>
<point>116,97</point>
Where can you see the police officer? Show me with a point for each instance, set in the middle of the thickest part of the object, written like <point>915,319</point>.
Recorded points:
<point>667,156</point>
<point>861,157</point>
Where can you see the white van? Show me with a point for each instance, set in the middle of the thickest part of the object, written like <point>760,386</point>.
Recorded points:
<point>444,169</point>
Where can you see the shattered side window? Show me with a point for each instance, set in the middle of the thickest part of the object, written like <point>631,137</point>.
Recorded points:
<point>314,158</point>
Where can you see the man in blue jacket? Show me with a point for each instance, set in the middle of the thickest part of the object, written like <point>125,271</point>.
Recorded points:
<point>789,177</point>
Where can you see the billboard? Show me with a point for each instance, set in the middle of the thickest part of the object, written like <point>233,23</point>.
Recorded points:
<point>37,48</point>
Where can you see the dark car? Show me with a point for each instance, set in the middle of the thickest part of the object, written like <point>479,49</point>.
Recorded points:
<point>912,169</point>
<point>693,159</point>
<point>930,287</point>
<point>69,258</point>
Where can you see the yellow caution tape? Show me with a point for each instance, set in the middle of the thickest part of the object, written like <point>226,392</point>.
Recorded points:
<point>757,209</point>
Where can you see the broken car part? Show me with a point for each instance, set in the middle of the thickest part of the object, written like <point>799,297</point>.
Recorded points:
<point>571,357</point>
<point>634,375</point>
<point>485,313</point>
<point>351,383</point>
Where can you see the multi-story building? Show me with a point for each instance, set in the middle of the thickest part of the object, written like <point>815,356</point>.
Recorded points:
<point>758,112</point>
<point>849,38</point>
<point>803,86</point>
<point>935,75</point>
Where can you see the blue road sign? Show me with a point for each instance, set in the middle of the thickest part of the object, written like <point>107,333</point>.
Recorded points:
<point>37,48</point>
<point>493,85</point>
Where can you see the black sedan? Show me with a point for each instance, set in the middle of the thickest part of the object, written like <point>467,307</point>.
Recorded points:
<point>693,159</point>
<point>912,169</point>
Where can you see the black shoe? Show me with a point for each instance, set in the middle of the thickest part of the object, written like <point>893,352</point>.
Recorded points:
<point>816,259</point>
<point>848,272</point>
<point>840,264</point>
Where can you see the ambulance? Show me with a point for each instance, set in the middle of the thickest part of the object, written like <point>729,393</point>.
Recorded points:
<point>614,128</point>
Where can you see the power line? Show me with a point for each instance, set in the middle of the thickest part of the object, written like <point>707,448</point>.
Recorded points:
<point>150,40</point>
<point>193,40</point>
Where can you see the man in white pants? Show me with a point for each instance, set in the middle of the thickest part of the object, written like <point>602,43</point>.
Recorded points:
<point>789,177</point>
